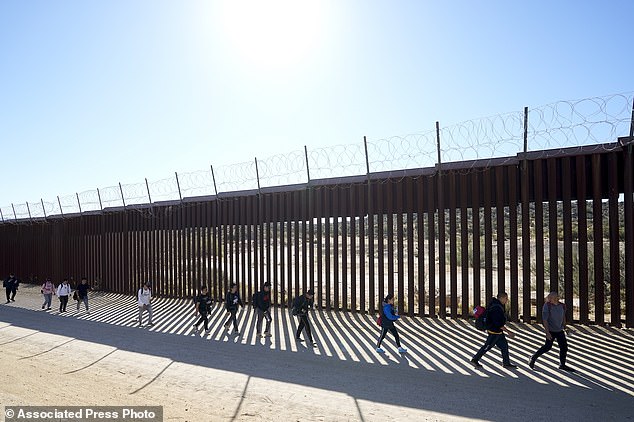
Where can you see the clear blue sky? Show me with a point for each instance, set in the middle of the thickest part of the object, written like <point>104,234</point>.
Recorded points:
<point>97,92</point>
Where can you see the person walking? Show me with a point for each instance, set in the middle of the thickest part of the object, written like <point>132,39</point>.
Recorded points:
<point>82,294</point>
<point>388,317</point>
<point>144,302</point>
<point>496,329</point>
<point>301,305</point>
<point>262,305</point>
<point>554,318</point>
<point>10,285</point>
<point>231,302</point>
<point>202,303</point>
<point>63,293</point>
<point>48,290</point>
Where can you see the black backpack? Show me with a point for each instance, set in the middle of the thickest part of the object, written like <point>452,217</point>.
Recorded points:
<point>296,306</point>
<point>481,322</point>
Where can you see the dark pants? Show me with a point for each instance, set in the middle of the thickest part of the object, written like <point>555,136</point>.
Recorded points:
<point>394,332</point>
<point>232,318</point>
<point>562,342</point>
<point>9,290</point>
<point>14,290</point>
<point>303,323</point>
<point>203,318</point>
<point>63,301</point>
<point>263,315</point>
<point>498,340</point>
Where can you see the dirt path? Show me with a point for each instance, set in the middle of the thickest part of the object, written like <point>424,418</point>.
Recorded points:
<point>102,359</point>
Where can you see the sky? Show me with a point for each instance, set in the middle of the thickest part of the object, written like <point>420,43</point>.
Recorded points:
<point>101,92</point>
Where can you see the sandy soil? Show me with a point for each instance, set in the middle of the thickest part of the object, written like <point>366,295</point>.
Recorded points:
<point>103,359</point>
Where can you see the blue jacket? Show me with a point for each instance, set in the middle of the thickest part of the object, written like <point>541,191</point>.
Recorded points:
<point>388,317</point>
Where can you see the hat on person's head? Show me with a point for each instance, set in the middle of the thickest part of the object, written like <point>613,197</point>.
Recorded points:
<point>267,284</point>
<point>310,292</point>
<point>148,283</point>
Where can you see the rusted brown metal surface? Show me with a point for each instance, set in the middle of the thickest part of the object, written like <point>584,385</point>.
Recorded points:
<point>356,240</point>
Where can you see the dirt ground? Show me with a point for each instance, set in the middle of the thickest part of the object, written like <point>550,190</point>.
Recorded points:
<point>103,358</point>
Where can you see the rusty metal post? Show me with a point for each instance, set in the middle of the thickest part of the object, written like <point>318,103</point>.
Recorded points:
<point>147,186</point>
<point>257,174</point>
<point>525,130</point>
<point>122,197</point>
<point>178,185</point>
<point>99,196</point>
<point>307,166</point>
<point>14,214</point>
<point>29,211</point>
<point>43,209</point>
<point>60,206</point>
<point>78,203</point>
<point>213,177</point>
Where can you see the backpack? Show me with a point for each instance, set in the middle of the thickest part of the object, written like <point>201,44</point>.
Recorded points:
<point>480,313</point>
<point>295,307</point>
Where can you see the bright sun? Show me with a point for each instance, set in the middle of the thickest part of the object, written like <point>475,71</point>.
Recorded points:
<point>272,33</point>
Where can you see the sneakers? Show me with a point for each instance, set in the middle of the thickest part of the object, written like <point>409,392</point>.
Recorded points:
<point>379,350</point>
<point>476,364</point>
<point>314,344</point>
<point>227,325</point>
<point>42,306</point>
<point>12,300</point>
<point>509,366</point>
<point>402,350</point>
<point>267,335</point>
<point>531,363</point>
<point>566,368</point>
<point>301,340</point>
<point>151,324</point>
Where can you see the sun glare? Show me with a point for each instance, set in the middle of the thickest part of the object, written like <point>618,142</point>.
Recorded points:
<point>272,33</point>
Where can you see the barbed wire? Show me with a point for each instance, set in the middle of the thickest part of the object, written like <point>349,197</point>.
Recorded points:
<point>594,122</point>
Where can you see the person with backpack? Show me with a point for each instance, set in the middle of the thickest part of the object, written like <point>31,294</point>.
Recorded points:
<point>11,286</point>
<point>554,318</point>
<point>387,316</point>
<point>82,294</point>
<point>495,320</point>
<point>63,292</point>
<point>262,304</point>
<point>202,304</point>
<point>48,290</point>
<point>144,302</point>
<point>301,305</point>
<point>231,303</point>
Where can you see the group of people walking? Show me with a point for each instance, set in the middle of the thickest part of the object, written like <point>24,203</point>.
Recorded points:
<point>48,289</point>
<point>553,315</point>
<point>64,291</point>
<point>554,322</point>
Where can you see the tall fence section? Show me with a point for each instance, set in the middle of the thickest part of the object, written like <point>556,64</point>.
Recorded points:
<point>443,237</point>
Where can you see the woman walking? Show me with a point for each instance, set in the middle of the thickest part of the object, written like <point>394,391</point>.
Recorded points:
<point>554,319</point>
<point>63,292</point>
<point>48,290</point>
<point>388,316</point>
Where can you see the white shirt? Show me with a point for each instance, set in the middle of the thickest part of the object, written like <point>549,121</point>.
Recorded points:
<point>63,290</point>
<point>144,295</point>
